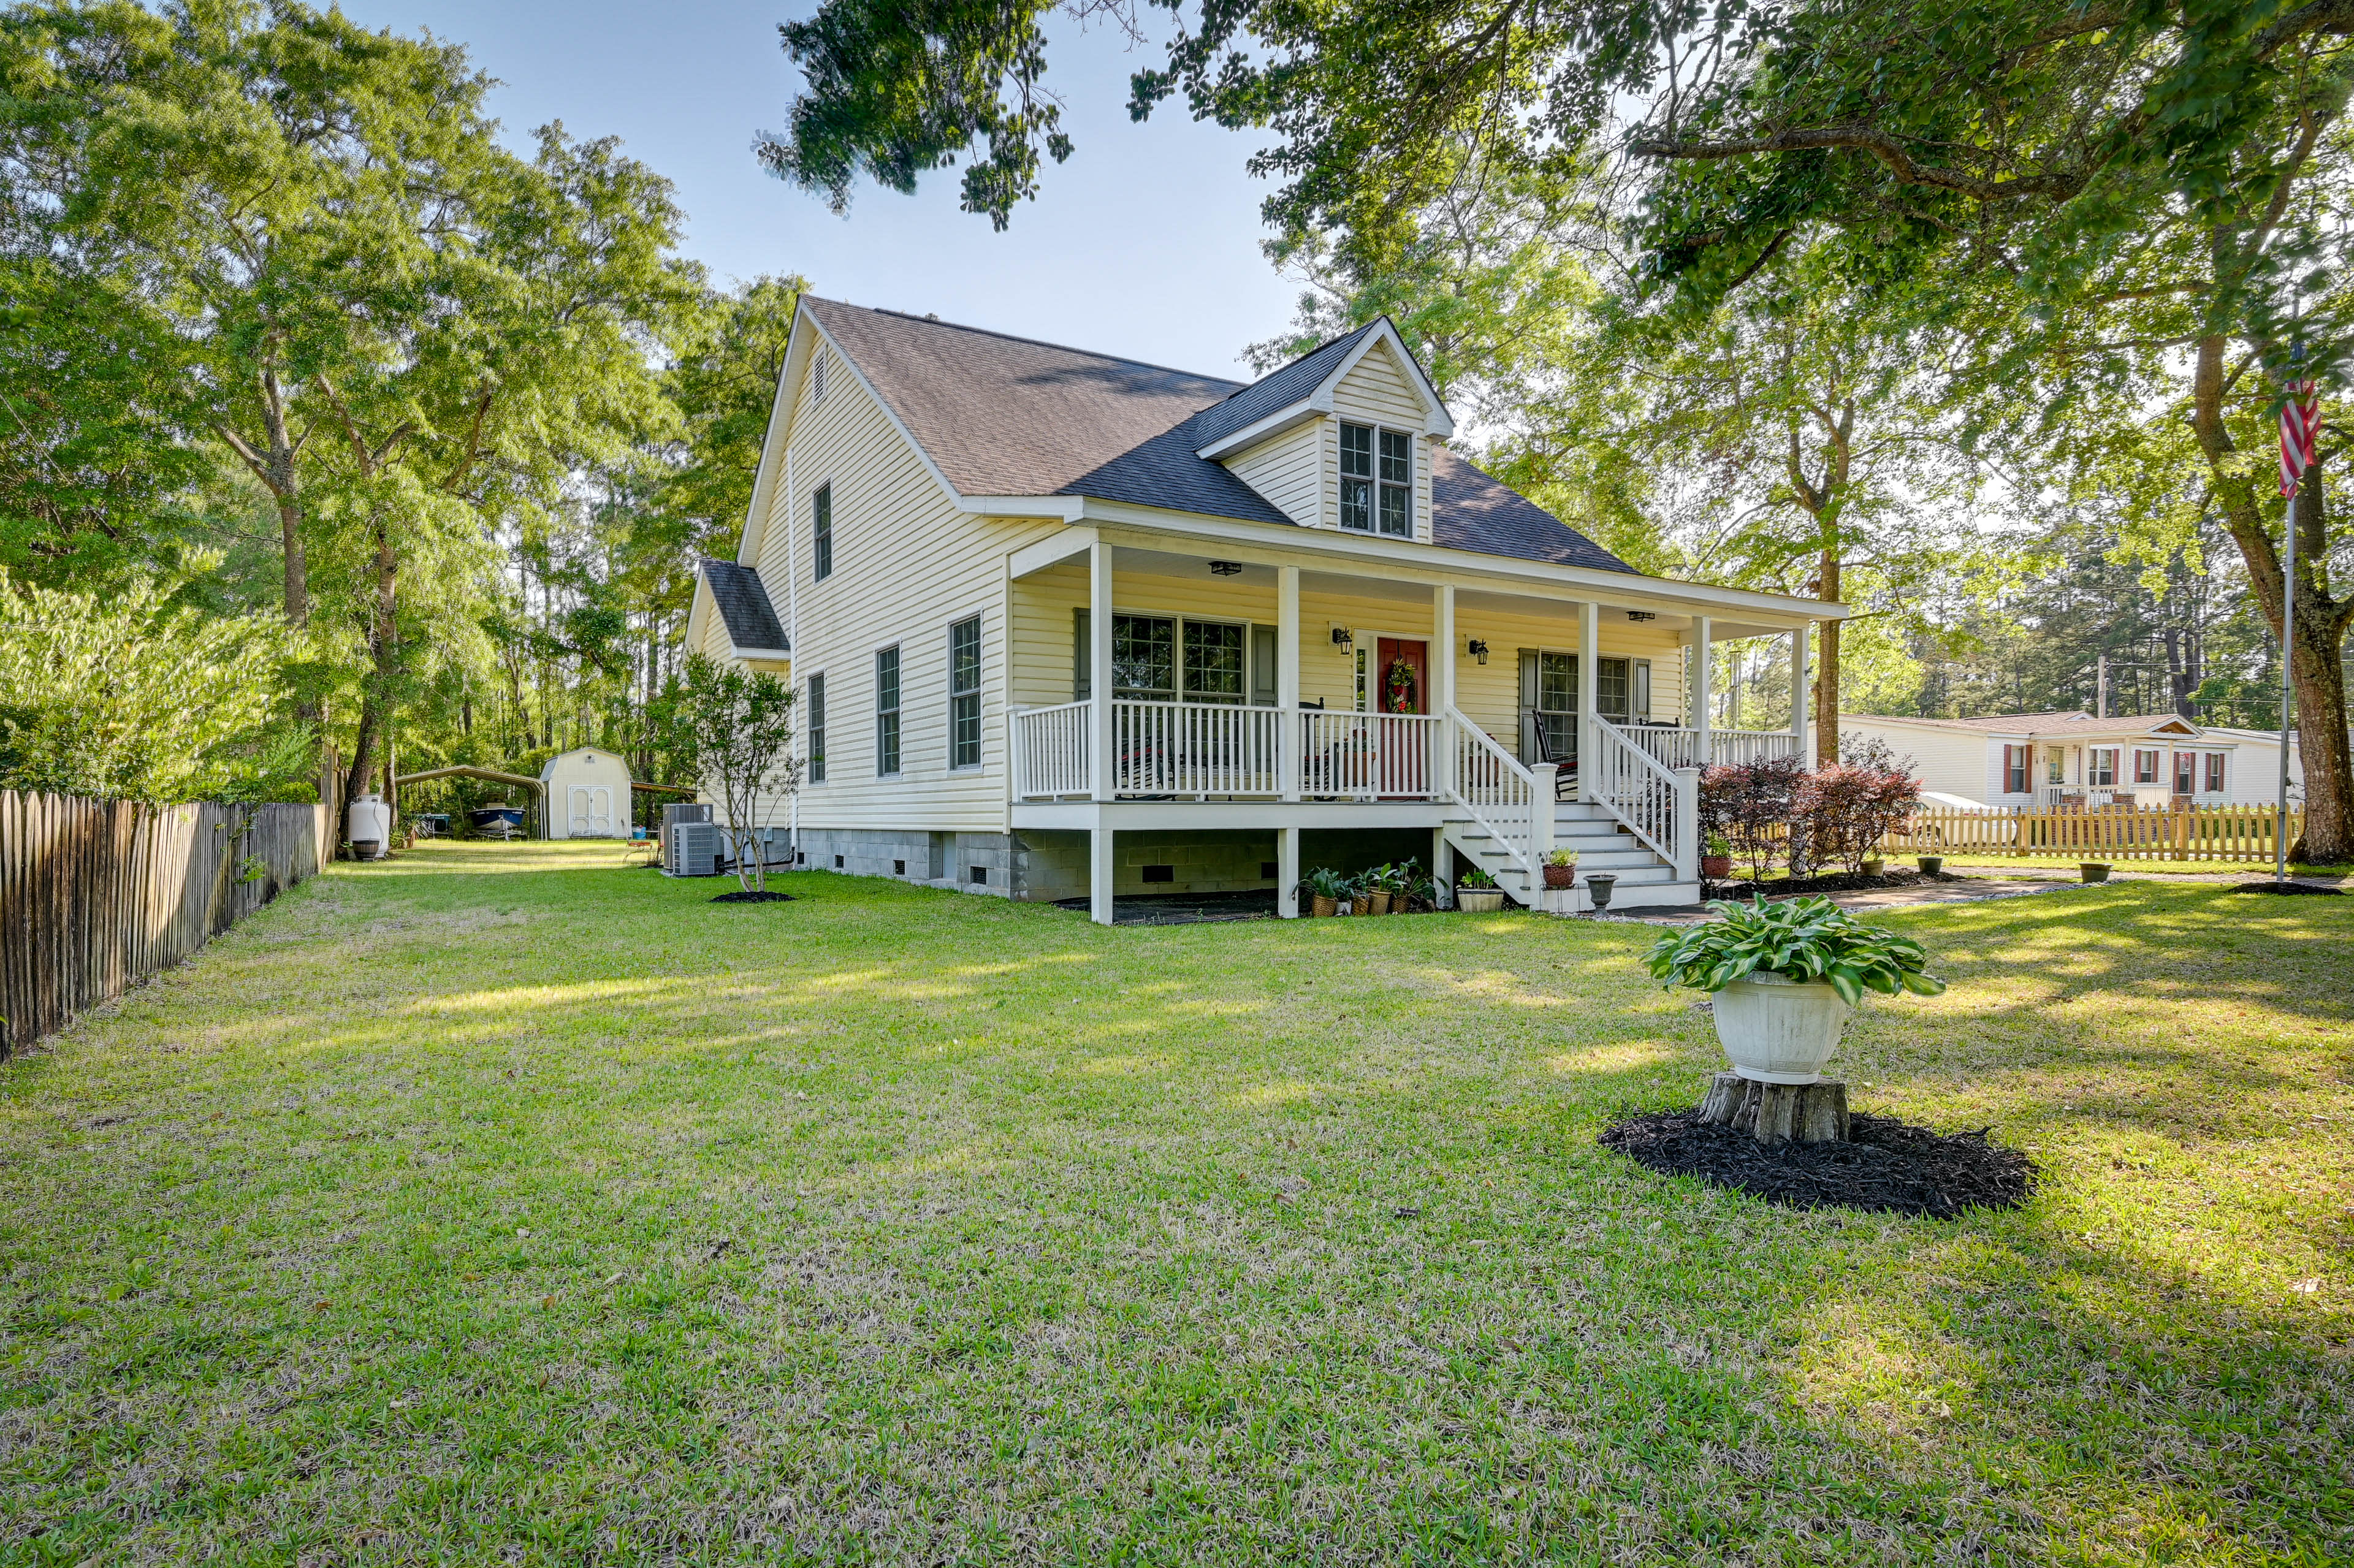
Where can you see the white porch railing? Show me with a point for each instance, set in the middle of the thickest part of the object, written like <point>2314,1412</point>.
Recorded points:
<point>1369,757</point>
<point>1679,747</point>
<point>1636,788</point>
<point>1512,802</point>
<point>1050,751</point>
<point>1195,748</point>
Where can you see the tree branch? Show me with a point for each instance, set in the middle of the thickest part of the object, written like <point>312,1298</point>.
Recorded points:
<point>1881,145</point>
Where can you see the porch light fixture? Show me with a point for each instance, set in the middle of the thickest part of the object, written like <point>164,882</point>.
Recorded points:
<point>1478,650</point>
<point>1225,569</point>
<point>1641,615</point>
<point>1341,639</point>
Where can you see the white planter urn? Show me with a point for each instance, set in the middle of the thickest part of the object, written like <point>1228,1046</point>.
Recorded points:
<point>1777,1029</point>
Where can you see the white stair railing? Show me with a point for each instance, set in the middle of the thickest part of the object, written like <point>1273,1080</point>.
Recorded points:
<point>1641,790</point>
<point>1050,751</point>
<point>1512,802</point>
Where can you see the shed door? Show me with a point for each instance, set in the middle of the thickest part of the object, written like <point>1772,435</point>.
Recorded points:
<point>592,811</point>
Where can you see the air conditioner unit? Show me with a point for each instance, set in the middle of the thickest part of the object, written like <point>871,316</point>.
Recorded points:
<point>692,848</point>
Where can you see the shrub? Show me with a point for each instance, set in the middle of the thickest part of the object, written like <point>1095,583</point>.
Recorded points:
<point>1846,810</point>
<point>1749,804</point>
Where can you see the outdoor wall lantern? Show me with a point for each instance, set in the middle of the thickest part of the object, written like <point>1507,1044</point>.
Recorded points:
<point>1641,615</point>
<point>1478,650</point>
<point>1225,569</point>
<point>1341,639</point>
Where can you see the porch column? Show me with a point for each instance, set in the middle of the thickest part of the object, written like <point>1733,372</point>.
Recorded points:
<point>1099,756</point>
<point>1287,709</point>
<point>1100,875</point>
<point>1798,641</point>
<point>1704,678</point>
<point>1287,870</point>
<point>1442,690</point>
<point>1442,887</point>
<point>1589,685</point>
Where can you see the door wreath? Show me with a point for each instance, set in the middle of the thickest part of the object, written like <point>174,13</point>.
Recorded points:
<point>1397,688</point>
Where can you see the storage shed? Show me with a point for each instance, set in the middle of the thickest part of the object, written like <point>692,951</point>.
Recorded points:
<point>587,794</point>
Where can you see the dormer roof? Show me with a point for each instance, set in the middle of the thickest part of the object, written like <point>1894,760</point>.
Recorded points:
<point>737,592</point>
<point>1304,388</point>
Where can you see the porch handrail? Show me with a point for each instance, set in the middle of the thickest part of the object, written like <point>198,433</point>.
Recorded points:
<point>1501,794</point>
<point>1195,748</point>
<point>1673,745</point>
<point>1637,789</point>
<point>1368,756</point>
<point>1050,747</point>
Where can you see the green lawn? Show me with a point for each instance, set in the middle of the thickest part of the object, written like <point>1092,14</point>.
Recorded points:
<point>503,1205</point>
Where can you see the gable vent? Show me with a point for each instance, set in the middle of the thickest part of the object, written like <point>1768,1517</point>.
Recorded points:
<point>817,377</point>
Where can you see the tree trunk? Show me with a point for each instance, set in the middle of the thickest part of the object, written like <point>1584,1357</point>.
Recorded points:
<point>1827,668</point>
<point>2314,667</point>
<point>384,656</point>
<point>1779,1113</point>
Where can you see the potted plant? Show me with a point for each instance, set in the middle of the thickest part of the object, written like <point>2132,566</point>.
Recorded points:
<point>2094,870</point>
<point>1396,881</point>
<point>1930,864</point>
<point>1599,885</point>
<point>1478,894</point>
<point>1561,869</point>
<point>1786,976</point>
<point>1716,860</point>
<point>1366,896</point>
<point>1874,864</point>
<point>1325,888</point>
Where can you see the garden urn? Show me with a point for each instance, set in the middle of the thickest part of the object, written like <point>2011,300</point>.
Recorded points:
<point>1777,1029</point>
<point>1599,888</point>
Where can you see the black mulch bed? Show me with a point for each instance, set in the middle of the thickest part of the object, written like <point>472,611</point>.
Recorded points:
<point>2288,887</point>
<point>1887,1166</point>
<point>741,896</point>
<point>1830,882</point>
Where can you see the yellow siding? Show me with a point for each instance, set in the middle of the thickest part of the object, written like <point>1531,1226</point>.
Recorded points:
<point>1284,471</point>
<point>1489,694</point>
<point>908,564</point>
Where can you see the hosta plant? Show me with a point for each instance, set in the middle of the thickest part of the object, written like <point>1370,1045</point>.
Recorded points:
<point>1799,939</point>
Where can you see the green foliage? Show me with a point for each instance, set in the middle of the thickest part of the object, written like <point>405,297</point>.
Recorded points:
<point>1476,878</point>
<point>126,698</point>
<point>1802,938</point>
<point>1323,882</point>
<point>735,726</point>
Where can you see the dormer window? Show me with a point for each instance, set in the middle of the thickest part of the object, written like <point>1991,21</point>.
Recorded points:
<point>1377,501</point>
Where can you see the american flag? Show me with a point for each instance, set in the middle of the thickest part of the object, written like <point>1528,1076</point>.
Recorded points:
<point>2300,423</point>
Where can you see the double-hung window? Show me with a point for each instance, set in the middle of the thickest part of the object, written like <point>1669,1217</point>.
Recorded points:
<point>2215,773</point>
<point>817,729</point>
<point>964,693</point>
<point>2014,769</point>
<point>1165,658</point>
<point>2144,767</point>
<point>1214,661</point>
<point>1377,480</point>
<point>886,712</point>
<point>822,533</point>
<point>2186,772</point>
<point>2101,770</point>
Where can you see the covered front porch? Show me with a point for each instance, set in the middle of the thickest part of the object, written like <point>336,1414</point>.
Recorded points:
<point>1289,690</point>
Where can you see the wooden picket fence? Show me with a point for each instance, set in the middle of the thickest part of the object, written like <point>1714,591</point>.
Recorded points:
<point>2106,832</point>
<point>96,896</point>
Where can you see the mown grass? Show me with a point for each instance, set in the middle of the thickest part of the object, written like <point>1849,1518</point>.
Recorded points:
<point>501,1205</point>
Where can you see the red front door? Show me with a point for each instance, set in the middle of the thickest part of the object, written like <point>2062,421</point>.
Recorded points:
<point>1399,678</point>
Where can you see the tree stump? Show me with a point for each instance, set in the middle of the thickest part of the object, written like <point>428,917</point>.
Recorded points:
<point>1779,1113</point>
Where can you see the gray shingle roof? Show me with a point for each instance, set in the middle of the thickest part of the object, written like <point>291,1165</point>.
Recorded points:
<point>743,602</point>
<point>1011,416</point>
<point>1277,391</point>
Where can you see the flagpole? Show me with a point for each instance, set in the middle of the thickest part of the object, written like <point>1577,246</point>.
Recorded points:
<point>2288,687</point>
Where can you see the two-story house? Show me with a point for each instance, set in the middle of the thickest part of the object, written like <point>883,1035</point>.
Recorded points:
<point>1068,625</point>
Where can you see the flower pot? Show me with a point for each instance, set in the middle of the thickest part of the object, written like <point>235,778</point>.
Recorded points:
<point>1599,888</point>
<point>1320,908</point>
<point>1479,900</point>
<point>1777,1029</point>
<point>2094,870</point>
<point>1372,903</point>
<point>1560,875</point>
<point>1345,908</point>
<point>1931,865</point>
<point>1874,865</point>
<point>1716,867</point>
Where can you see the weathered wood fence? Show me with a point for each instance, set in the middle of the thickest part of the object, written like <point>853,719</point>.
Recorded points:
<point>96,896</point>
<point>2109,833</point>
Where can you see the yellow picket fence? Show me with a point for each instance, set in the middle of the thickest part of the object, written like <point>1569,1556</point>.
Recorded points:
<point>2105,832</point>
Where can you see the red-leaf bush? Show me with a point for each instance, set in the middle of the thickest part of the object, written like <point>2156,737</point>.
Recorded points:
<point>1751,804</point>
<point>1845,811</point>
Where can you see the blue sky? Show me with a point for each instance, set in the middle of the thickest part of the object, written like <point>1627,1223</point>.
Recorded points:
<point>1145,244</point>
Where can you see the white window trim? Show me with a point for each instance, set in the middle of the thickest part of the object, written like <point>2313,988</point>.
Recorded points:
<point>980,691</point>
<point>1416,533</point>
<point>875,693</point>
<point>1179,619</point>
